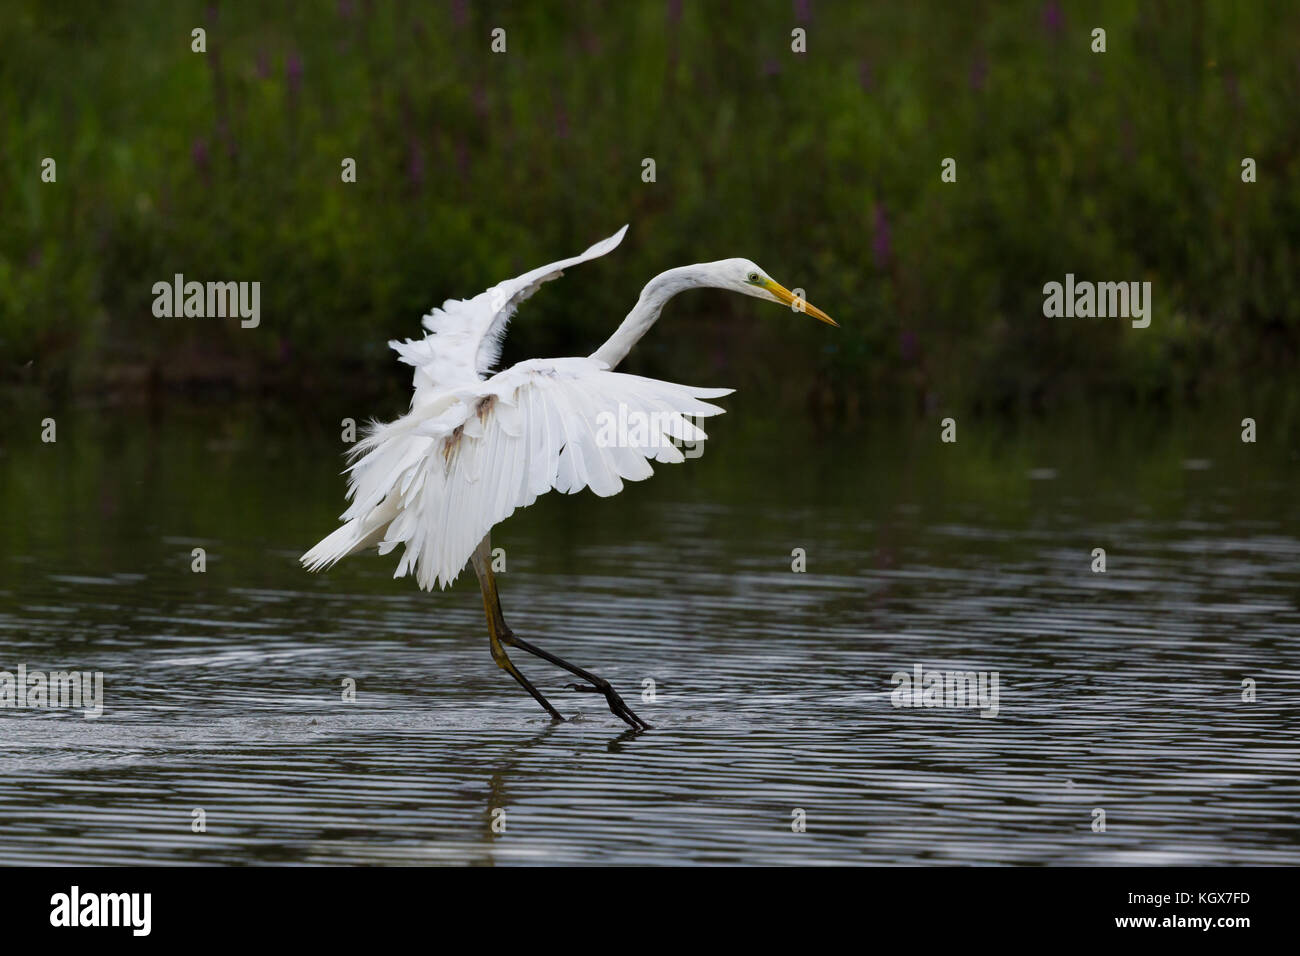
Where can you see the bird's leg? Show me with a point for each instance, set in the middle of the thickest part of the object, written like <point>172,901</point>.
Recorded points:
<point>497,630</point>
<point>501,634</point>
<point>598,684</point>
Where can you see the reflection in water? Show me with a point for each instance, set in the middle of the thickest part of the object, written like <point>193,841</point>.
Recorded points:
<point>224,691</point>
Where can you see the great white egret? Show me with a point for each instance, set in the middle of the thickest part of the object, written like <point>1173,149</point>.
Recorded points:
<point>476,445</point>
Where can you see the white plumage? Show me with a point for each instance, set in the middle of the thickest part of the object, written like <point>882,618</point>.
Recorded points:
<point>474,446</point>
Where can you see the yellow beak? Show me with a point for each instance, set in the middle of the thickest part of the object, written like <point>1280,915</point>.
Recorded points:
<point>789,298</point>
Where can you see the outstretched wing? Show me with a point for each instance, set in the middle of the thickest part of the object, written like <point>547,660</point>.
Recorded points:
<point>436,480</point>
<point>464,339</point>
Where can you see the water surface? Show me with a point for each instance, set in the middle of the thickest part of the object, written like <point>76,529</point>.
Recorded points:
<point>1118,691</point>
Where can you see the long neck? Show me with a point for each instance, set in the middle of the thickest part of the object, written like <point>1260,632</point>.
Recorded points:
<point>645,313</point>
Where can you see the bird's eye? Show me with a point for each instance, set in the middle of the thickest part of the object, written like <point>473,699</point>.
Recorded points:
<point>753,277</point>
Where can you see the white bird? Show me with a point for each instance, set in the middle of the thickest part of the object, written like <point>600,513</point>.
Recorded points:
<point>476,445</point>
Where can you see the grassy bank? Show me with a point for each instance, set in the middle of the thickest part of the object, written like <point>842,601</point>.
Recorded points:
<point>823,167</point>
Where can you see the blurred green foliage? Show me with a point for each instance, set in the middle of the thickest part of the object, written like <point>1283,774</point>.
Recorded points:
<point>823,167</point>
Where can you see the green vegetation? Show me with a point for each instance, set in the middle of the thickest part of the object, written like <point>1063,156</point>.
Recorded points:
<point>824,168</point>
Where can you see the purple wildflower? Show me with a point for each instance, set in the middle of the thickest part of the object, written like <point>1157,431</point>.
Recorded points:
<point>907,344</point>
<point>1053,18</point>
<point>1233,90</point>
<point>866,76</point>
<point>293,70</point>
<point>415,164</point>
<point>880,245</point>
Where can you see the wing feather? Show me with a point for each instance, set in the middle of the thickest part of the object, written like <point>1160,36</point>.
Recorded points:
<point>465,335</point>
<point>439,481</point>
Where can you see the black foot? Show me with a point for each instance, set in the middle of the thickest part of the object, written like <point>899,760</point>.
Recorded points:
<point>617,707</point>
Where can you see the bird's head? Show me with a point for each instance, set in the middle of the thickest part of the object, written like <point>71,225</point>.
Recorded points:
<point>742,275</point>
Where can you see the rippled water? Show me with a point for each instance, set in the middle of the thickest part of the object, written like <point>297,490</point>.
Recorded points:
<point>1119,692</point>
